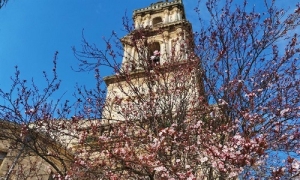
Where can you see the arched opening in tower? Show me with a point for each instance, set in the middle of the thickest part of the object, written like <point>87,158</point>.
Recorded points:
<point>154,54</point>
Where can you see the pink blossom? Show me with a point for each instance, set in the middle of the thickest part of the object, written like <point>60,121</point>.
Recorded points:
<point>232,174</point>
<point>296,165</point>
<point>222,102</point>
<point>250,95</point>
<point>284,111</point>
<point>156,53</point>
<point>203,159</point>
<point>152,57</point>
<point>259,90</point>
<point>160,168</point>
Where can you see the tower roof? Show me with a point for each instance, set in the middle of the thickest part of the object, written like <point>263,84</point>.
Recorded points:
<point>160,6</point>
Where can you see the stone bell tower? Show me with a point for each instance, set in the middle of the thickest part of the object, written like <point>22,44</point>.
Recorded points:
<point>163,26</point>
<point>159,49</point>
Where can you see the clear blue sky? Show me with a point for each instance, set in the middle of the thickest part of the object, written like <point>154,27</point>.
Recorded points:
<point>32,30</point>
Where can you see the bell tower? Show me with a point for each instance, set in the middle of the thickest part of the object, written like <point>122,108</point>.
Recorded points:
<point>158,28</point>
<point>159,72</point>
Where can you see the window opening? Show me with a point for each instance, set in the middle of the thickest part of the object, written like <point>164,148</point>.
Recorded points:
<point>156,21</point>
<point>2,156</point>
<point>154,54</point>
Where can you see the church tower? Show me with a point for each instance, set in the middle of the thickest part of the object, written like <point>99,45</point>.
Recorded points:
<point>160,27</point>
<point>159,74</point>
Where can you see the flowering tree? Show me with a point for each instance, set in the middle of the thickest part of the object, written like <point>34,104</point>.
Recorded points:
<point>251,71</point>
<point>223,104</point>
<point>28,133</point>
<point>244,125</point>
